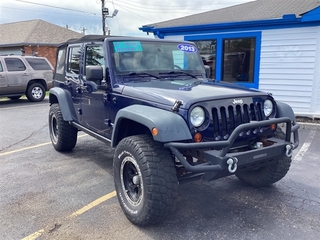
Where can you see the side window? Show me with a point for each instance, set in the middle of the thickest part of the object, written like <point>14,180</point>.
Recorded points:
<point>38,63</point>
<point>1,69</point>
<point>14,64</point>
<point>74,60</point>
<point>61,61</point>
<point>94,56</point>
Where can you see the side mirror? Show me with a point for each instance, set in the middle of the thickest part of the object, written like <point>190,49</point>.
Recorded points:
<point>208,70</point>
<point>94,73</point>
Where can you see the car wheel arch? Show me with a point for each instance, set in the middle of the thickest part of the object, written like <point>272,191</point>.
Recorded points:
<point>151,117</point>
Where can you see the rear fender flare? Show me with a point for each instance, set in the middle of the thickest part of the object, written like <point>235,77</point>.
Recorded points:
<point>63,97</point>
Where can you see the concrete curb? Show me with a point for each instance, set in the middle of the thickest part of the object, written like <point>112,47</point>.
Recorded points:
<point>309,126</point>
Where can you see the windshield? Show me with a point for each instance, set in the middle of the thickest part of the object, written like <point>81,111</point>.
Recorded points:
<point>133,56</point>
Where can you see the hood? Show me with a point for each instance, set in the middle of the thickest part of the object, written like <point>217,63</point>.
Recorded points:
<point>187,91</point>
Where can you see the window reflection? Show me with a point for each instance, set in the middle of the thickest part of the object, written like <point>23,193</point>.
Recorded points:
<point>207,50</point>
<point>238,60</point>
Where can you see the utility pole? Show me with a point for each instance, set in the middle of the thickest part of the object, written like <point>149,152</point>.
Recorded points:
<point>83,30</point>
<point>104,12</point>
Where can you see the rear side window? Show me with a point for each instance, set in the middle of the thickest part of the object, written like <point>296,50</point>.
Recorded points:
<point>61,61</point>
<point>14,64</point>
<point>38,64</point>
<point>1,69</point>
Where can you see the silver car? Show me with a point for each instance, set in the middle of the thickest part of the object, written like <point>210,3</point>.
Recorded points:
<point>25,75</point>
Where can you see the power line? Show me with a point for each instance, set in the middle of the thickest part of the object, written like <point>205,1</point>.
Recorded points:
<point>46,5</point>
<point>143,5</point>
<point>24,9</point>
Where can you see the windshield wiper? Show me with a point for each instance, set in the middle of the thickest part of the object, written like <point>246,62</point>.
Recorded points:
<point>179,72</point>
<point>138,74</point>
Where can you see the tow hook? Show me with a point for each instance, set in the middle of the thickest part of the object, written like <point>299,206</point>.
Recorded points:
<point>232,162</point>
<point>289,150</point>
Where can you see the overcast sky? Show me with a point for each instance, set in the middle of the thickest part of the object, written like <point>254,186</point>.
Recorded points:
<point>86,14</point>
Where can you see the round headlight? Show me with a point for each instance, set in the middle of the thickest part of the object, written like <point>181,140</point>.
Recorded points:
<point>267,107</point>
<point>197,116</point>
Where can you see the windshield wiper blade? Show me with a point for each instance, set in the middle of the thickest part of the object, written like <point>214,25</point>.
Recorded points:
<point>180,72</point>
<point>138,74</point>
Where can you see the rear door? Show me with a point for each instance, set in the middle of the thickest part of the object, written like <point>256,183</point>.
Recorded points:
<point>17,75</point>
<point>3,79</point>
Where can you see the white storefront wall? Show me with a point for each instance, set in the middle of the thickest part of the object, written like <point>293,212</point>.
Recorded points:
<point>290,67</point>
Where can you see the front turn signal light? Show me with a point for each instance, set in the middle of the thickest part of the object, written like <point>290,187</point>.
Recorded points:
<point>154,131</point>
<point>197,137</point>
<point>273,127</point>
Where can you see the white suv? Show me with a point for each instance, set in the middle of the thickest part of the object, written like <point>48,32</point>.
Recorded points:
<point>27,75</point>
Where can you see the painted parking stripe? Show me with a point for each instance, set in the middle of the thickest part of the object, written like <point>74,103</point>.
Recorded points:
<point>86,208</point>
<point>305,146</point>
<point>31,147</point>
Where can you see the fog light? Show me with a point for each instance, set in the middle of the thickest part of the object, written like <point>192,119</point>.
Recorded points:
<point>197,137</point>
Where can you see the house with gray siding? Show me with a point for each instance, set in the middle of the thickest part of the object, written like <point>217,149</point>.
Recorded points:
<point>271,45</point>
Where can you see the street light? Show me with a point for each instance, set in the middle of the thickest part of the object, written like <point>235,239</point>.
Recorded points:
<point>105,14</point>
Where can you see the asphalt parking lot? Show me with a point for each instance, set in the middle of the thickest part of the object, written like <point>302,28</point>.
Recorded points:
<point>49,195</point>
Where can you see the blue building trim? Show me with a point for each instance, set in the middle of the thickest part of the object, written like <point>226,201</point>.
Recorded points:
<point>219,53</point>
<point>288,21</point>
<point>313,15</point>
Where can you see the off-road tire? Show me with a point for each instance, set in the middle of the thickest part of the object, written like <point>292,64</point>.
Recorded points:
<point>63,135</point>
<point>36,92</point>
<point>145,179</point>
<point>267,175</point>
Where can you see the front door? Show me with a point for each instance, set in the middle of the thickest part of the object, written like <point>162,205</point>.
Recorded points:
<point>94,100</point>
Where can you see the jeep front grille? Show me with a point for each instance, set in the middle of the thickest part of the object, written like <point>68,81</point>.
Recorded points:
<point>226,119</point>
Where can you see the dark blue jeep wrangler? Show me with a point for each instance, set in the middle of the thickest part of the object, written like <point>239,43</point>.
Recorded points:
<point>151,100</point>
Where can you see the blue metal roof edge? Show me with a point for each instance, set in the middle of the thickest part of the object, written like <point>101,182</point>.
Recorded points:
<point>286,21</point>
<point>313,15</point>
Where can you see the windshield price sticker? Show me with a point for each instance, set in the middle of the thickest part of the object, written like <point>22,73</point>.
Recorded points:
<point>187,48</point>
<point>127,46</point>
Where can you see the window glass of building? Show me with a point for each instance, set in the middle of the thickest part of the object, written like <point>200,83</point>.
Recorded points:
<point>207,50</point>
<point>238,59</point>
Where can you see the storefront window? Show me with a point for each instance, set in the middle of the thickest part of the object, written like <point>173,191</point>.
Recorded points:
<point>207,50</point>
<point>238,59</point>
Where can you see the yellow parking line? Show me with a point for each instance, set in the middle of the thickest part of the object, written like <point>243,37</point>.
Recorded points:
<point>89,206</point>
<point>93,204</point>
<point>34,236</point>
<point>31,147</point>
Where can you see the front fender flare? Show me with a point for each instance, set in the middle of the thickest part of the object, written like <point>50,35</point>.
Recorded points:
<point>284,110</point>
<point>171,126</point>
<point>63,97</point>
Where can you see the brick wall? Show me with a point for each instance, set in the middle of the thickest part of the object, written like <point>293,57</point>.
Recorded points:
<point>42,51</point>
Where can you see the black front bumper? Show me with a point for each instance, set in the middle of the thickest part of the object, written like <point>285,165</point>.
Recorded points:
<point>216,165</point>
